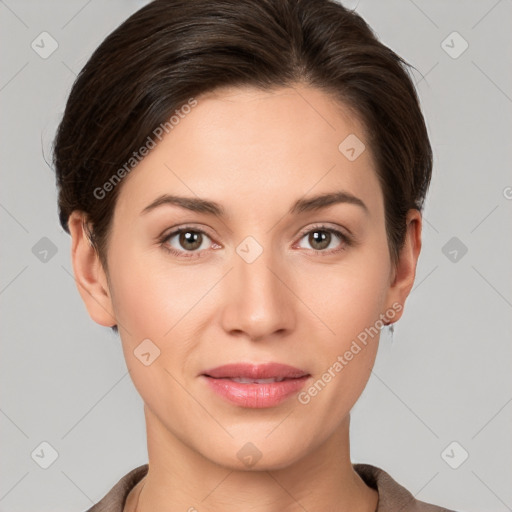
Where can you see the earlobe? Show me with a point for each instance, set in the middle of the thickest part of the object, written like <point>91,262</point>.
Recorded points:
<point>405,271</point>
<point>89,274</point>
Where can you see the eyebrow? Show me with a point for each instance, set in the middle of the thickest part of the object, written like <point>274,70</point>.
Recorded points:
<point>212,208</point>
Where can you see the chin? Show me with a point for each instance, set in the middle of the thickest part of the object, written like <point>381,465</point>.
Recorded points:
<point>255,453</point>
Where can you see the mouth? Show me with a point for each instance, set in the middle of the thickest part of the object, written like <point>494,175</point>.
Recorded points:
<point>256,386</point>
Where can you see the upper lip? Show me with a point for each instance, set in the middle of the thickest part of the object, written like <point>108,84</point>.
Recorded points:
<point>255,371</point>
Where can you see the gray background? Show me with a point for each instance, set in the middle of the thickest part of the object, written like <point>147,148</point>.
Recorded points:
<point>444,378</point>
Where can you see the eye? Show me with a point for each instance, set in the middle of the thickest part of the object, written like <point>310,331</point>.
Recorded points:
<point>322,237</point>
<point>189,242</point>
<point>186,240</point>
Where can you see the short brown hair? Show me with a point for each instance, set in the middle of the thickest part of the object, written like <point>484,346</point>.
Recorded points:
<point>172,50</point>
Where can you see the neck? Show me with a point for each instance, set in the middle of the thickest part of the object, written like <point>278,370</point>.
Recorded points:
<point>181,479</point>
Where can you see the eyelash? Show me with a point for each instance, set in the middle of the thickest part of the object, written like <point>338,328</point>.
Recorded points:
<point>345,239</point>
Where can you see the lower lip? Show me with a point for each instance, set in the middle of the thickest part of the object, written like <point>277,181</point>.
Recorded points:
<point>255,395</point>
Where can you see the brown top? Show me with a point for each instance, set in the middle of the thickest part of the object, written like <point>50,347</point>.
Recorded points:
<point>392,496</point>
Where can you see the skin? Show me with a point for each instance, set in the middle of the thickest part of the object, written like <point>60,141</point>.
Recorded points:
<point>255,153</point>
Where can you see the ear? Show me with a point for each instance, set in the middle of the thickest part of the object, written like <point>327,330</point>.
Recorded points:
<point>402,278</point>
<point>90,276</point>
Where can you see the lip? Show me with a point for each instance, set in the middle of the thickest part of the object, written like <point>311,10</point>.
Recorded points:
<point>255,395</point>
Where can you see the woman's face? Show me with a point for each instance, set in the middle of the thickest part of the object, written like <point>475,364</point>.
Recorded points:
<point>263,282</point>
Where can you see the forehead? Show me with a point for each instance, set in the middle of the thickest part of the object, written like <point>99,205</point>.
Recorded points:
<point>244,144</point>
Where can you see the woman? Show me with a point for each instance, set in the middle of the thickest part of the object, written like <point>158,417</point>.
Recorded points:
<point>243,183</point>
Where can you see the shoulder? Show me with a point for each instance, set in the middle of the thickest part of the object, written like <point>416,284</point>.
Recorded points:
<point>115,499</point>
<point>392,495</point>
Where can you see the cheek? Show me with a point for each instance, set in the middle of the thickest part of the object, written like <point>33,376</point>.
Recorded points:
<point>350,296</point>
<point>349,300</point>
<point>149,306</point>
<point>148,298</point>
<point>154,301</point>
<point>140,306</point>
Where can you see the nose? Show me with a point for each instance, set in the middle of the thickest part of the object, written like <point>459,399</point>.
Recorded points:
<point>258,298</point>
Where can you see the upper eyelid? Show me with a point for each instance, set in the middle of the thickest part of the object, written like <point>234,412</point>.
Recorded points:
<point>325,227</point>
<point>176,231</point>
